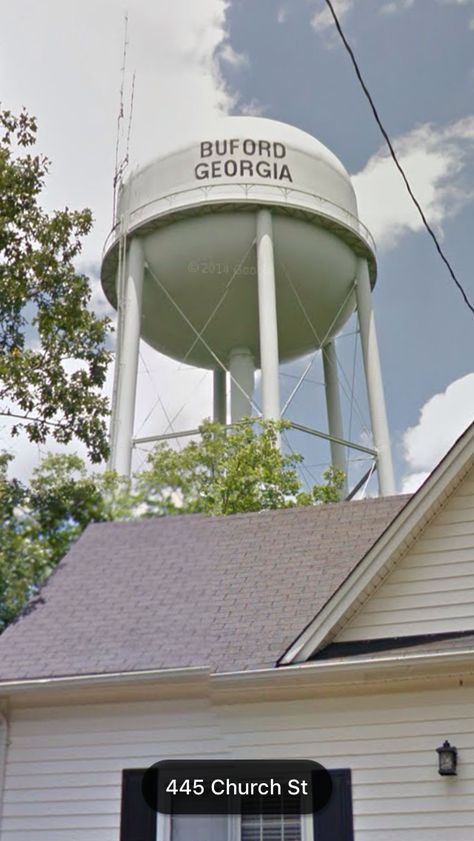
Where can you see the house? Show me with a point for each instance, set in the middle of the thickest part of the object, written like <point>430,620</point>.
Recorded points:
<point>342,634</point>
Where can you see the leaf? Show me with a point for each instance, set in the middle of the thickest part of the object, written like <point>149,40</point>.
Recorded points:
<point>45,321</point>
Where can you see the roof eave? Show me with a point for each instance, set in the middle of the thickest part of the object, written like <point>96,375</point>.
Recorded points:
<point>169,676</point>
<point>316,677</point>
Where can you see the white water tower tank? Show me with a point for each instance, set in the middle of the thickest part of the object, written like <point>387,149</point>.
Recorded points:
<point>241,250</point>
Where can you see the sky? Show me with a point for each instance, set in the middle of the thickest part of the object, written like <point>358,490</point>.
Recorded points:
<point>280,59</point>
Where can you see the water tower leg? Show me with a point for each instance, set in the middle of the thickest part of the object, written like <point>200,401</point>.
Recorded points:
<point>118,345</point>
<point>242,382</point>
<point>127,360</point>
<point>373,374</point>
<point>267,317</point>
<point>333,403</point>
<point>220,397</point>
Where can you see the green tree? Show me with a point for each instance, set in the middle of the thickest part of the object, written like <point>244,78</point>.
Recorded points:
<point>18,559</point>
<point>53,361</point>
<point>222,473</point>
<point>226,473</point>
<point>39,522</point>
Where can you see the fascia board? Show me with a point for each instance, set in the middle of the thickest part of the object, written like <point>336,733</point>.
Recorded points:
<point>169,676</point>
<point>395,672</point>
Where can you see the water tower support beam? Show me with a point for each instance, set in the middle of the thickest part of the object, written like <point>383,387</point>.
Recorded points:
<point>373,374</point>
<point>119,334</point>
<point>220,397</point>
<point>242,383</point>
<point>333,403</point>
<point>128,345</point>
<point>267,312</point>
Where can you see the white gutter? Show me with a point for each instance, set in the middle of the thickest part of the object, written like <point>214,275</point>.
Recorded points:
<point>331,675</point>
<point>111,678</point>
<point>346,665</point>
<point>326,671</point>
<point>3,760</point>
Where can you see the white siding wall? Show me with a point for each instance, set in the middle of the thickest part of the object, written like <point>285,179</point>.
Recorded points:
<point>63,775</point>
<point>432,588</point>
<point>64,765</point>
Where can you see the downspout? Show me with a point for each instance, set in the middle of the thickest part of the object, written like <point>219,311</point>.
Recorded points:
<point>4,743</point>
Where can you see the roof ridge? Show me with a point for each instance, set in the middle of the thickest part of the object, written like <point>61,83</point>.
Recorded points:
<point>295,509</point>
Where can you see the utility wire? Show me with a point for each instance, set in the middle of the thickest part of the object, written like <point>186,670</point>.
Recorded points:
<point>395,158</point>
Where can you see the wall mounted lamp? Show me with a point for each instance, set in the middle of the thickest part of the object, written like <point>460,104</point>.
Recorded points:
<point>447,760</point>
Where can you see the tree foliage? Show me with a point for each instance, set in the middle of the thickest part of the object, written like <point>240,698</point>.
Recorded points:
<point>226,473</point>
<point>52,356</point>
<point>40,521</point>
<point>222,473</point>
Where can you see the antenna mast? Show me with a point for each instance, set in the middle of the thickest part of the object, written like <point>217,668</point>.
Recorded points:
<point>122,163</point>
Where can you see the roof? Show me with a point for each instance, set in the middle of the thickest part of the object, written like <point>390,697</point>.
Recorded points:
<point>381,558</point>
<point>228,593</point>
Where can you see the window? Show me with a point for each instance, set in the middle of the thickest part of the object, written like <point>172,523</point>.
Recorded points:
<point>251,826</point>
<point>193,828</point>
<point>271,820</point>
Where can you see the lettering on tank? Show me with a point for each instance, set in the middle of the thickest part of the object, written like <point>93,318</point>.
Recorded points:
<point>242,159</point>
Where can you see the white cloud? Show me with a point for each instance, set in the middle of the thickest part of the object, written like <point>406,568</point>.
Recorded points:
<point>459,3</point>
<point>413,481</point>
<point>443,418</point>
<point>323,19</point>
<point>62,62</point>
<point>282,14</point>
<point>232,57</point>
<point>434,159</point>
<point>64,66</point>
<point>395,6</point>
<point>254,108</point>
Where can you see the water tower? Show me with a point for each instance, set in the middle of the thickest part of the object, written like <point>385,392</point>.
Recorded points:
<point>240,251</point>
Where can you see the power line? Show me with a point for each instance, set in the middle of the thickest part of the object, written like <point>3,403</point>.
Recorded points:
<point>395,158</point>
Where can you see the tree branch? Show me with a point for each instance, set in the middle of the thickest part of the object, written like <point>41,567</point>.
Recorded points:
<point>41,421</point>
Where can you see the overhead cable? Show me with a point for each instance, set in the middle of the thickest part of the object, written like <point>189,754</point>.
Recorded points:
<point>395,158</point>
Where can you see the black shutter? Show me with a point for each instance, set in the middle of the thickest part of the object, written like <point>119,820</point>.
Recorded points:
<point>138,821</point>
<point>334,822</point>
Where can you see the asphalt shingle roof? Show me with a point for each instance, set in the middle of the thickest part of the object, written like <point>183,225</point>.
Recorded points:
<point>230,593</point>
